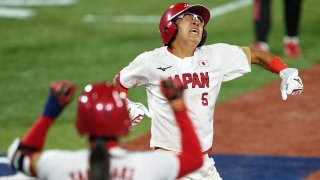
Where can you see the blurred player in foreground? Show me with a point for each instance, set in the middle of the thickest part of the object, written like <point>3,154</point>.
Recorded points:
<point>201,69</point>
<point>103,118</point>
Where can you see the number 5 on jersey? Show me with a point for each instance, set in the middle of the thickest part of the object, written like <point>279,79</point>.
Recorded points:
<point>204,99</point>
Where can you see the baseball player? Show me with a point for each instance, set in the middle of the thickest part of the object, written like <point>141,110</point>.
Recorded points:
<point>103,117</point>
<point>201,69</point>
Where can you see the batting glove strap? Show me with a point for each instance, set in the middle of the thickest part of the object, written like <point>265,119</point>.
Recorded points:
<point>291,83</point>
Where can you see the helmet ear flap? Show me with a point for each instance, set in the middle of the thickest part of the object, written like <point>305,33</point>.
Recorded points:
<point>175,29</point>
<point>203,39</point>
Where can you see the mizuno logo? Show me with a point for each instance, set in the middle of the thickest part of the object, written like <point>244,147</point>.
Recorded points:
<point>164,69</point>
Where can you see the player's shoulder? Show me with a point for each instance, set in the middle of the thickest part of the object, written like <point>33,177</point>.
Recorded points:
<point>57,154</point>
<point>62,151</point>
<point>217,46</point>
<point>153,53</point>
<point>158,51</point>
<point>53,158</point>
<point>221,48</point>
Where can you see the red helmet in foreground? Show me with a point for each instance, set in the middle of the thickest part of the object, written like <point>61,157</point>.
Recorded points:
<point>168,29</point>
<point>102,112</point>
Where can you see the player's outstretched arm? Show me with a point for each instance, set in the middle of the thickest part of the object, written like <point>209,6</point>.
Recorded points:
<point>291,83</point>
<point>24,153</point>
<point>191,156</point>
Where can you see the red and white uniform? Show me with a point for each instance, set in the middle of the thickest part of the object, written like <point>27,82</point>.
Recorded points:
<point>73,165</point>
<point>202,75</point>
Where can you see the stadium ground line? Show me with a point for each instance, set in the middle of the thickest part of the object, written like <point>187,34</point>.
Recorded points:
<point>138,19</point>
<point>16,13</point>
<point>8,7</point>
<point>24,3</point>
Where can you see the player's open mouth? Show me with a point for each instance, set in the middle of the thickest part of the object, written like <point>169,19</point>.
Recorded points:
<point>194,31</point>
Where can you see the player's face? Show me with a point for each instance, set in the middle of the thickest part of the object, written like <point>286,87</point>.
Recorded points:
<point>190,28</point>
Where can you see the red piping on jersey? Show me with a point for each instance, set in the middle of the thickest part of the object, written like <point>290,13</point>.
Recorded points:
<point>122,88</point>
<point>207,151</point>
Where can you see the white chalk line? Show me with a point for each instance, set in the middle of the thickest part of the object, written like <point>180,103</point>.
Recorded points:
<point>139,19</point>
<point>8,7</point>
<point>36,2</point>
<point>16,13</point>
<point>20,13</point>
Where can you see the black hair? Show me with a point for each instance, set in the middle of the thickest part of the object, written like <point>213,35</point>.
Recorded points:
<point>99,160</point>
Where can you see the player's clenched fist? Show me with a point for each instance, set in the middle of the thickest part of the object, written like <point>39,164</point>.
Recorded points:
<point>291,83</point>
<point>63,91</point>
<point>61,94</point>
<point>171,89</point>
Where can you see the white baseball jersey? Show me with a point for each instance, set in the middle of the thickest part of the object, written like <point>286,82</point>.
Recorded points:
<point>201,74</point>
<point>73,165</point>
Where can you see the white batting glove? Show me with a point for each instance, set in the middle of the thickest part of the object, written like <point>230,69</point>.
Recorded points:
<point>136,112</point>
<point>291,83</point>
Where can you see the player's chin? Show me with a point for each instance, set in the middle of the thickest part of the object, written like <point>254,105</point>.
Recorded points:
<point>195,40</point>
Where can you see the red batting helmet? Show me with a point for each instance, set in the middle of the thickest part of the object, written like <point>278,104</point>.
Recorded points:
<point>168,29</point>
<point>102,112</point>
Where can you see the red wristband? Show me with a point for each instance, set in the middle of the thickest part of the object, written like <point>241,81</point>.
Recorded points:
<point>276,65</point>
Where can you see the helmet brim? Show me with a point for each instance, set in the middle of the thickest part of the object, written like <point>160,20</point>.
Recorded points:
<point>199,10</point>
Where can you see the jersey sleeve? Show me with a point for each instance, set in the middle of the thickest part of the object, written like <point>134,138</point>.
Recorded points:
<point>135,74</point>
<point>235,61</point>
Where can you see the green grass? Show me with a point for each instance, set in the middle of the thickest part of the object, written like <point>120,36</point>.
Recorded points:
<point>57,44</point>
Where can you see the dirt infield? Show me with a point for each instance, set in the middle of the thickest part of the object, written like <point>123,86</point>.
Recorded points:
<point>261,123</point>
